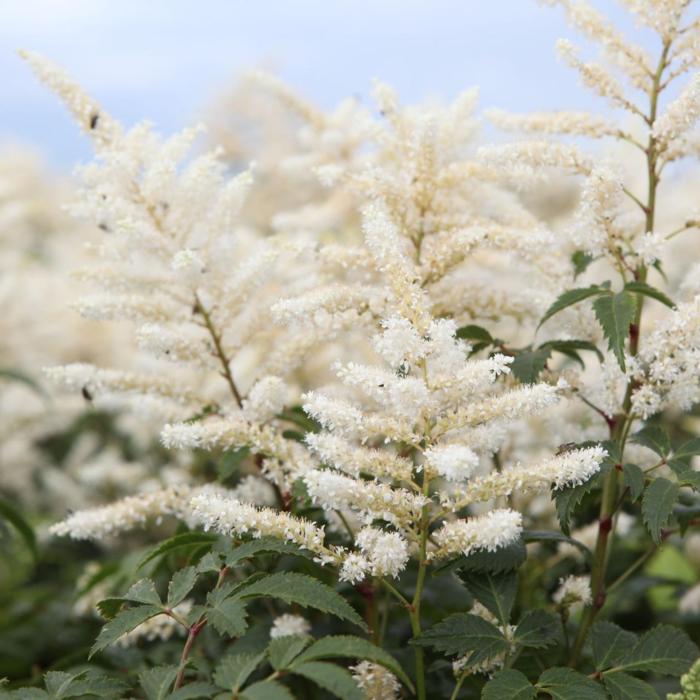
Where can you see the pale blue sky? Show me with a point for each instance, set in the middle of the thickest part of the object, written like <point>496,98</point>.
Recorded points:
<point>164,59</point>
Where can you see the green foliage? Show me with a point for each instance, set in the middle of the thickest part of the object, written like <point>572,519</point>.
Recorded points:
<point>537,629</point>
<point>567,684</point>
<point>509,684</point>
<point>569,298</point>
<point>496,592</point>
<point>649,291</point>
<point>615,313</point>
<point>24,529</point>
<point>332,678</point>
<point>344,646</point>
<point>123,622</point>
<point>657,505</point>
<point>463,632</point>
<point>302,590</point>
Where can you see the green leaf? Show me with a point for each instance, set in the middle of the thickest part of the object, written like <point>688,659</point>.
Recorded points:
<point>332,678</point>
<point>24,529</point>
<point>476,333</point>
<point>509,685</point>
<point>528,364</point>
<point>610,643</point>
<point>657,505</point>
<point>554,536</point>
<point>191,691</point>
<point>264,545</point>
<point>348,647</point>
<point>461,633</point>
<point>537,629</point>
<point>302,590</point>
<point>567,684</point>
<point>92,683</point>
<point>227,615</point>
<point>689,478</point>
<point>569,498</point>
<point>621,686</point>
<point>649,291</point>
<point>233,671</point>
<point>143,591</point>
<point>569,346</point>
<point>634,479</point>
<point>665,650</point>
<point>267,690</point>
<point>183,540</point>
<point>615,313</point>
<point>680,459</point>
<point>654,438</point>
<point>58,684</point>
<point>496,592</point>
<point>123,622</point>
<point>569,298</point>
<point>503,559</point>
<point>580,260</point>
<point>157,682</point>
<point>230,462</point>
<point>283,650</point>
<point>180,585</point>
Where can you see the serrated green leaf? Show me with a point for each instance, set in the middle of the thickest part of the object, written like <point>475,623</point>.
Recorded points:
<point>211,562</point>
<point>657,505</point>
<point>503,559</point>
<point>680,459</point>
<point>267,690</point>
<point>332,678</point>
<point>348,647</point>
<point>157,682</point>
<point>654,438</point>
<point>191,691</point>
<point>621,686</point>
<point>537,629</point>
<point>96,684</point>
<point>554,536</point>
<point>648,291</point>
<point>567,684</point>
<point>230,462</point>
<point>24,529</point>
<point>580,259</point>
<point>25,694</point>
<point>180,585</point>
<point>567,499</point>
<point>665,650</point>
<point>610,643</point>
<point>569,298</point>
<point>233,671</point>
<point>264,545</point>
<point>227,615</point>
<point>57,683</point>
<point>615,313</point>
<point>567,346</point>
<point>143,591</point>
<point>496,592</point>
<point>283,650</point>
<point>510,685</point>
<point>181,541</point>
<point>634,480</point>
<point>302,590</point>
<point>123,622</point>
<point>528,364</point>
<point>689,478</point>
<point>477,333</point>
<point>463,632</point>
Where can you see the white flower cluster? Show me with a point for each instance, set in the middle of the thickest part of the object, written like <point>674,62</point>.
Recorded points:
<point>375,682</point>
<point>288,625</point>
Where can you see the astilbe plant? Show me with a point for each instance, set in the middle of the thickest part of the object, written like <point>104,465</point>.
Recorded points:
<point>461,474</point>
